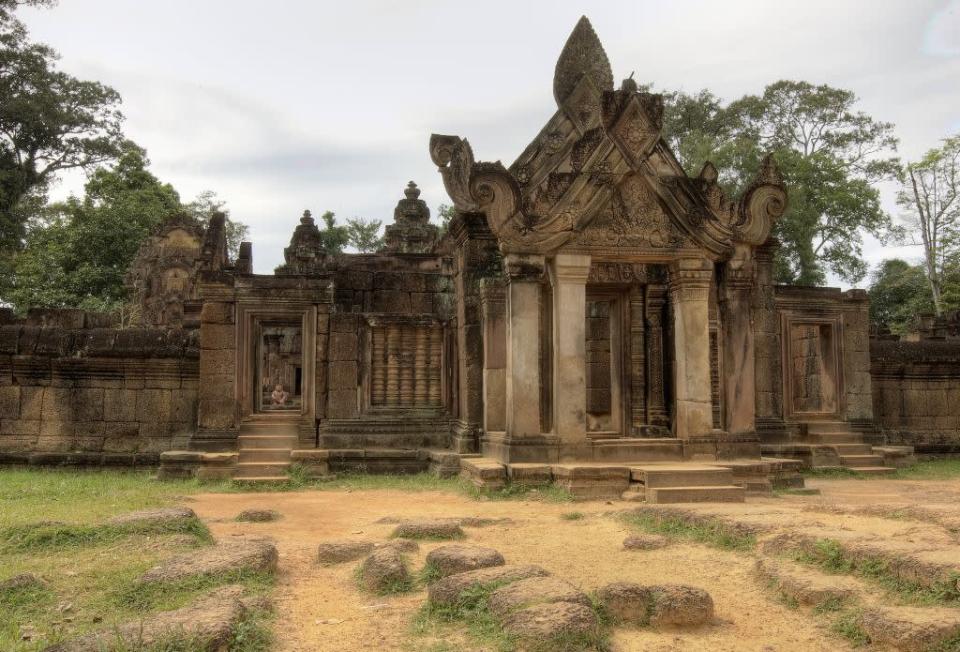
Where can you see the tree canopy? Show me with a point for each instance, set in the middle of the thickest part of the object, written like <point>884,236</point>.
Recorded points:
<point>829,153</point>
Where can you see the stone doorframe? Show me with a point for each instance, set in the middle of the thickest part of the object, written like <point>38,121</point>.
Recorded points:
<point>834,325</point>
<point>249,318</point>
<point>620,357</point>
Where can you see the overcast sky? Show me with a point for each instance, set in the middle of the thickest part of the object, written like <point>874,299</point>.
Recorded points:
<point>285,105</point>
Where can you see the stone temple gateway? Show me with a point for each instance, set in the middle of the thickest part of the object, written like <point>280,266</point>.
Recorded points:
<point>591,315</point>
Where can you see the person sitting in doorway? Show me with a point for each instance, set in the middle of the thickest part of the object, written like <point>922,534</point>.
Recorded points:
<point>279,397</point>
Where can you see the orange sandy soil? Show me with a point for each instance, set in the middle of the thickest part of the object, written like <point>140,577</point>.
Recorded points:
<point>320,608</point>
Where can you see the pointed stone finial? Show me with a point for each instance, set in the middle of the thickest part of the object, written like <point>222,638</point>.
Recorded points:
<point>583,55</point>
<point>629,85</point>
<point>307,218</point>
<point>412,192</point>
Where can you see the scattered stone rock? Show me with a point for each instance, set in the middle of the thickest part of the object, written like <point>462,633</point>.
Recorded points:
<point>543,622</point>
<point>236,554</point>
<point>207,624</point>
<point>627,602</point>
<point>806,586</point>
<point>22,582</point>
<point>338,552</point>
<point>439,529</point>
<point>384,571</point>
<point>534,590</point>
<point>680,605</point>
<point>453,559</point>
<point>910,629</point>
<point>644,542</point>
<point>448,591</point>
<point>159,516</point>
<point>258,515</point>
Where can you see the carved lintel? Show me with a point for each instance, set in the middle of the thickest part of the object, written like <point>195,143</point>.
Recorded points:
<point>641,273</point>
<point>524,267</point>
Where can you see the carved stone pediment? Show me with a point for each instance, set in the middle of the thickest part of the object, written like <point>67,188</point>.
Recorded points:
<point>599,173</point>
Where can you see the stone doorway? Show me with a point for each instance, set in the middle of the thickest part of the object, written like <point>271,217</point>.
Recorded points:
<point>605,373</point>
<point>278,378</point>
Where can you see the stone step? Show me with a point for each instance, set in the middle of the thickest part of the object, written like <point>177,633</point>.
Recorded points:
<point>681,475</point>
<point>264,455</point>
<point>853,449</point>
<point>246,470</point>
<point>721,494</point>
<point>853,461</point>
<point>827,427</point>
<point>246,442</point>
<point>636,449</point>
<point>834,438</point>
<point>873,470</point>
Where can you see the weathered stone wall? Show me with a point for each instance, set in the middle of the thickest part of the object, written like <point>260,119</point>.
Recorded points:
<point>72,392</point>
<point>916,393</point>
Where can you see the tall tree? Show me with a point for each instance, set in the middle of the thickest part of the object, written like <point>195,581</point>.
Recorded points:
<point>364,235</point>
<point>78,252</point>
<point>49,122</point>
<point>445,213</point>
<point>929,198</point>
<point>898,292</point>
<point>830,155</point>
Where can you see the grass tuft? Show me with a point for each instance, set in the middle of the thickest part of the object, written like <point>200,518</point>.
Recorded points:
<point>701,529</point>
<point>847,625</point>
<point>45,535</point>
<point>939,469</point>
<point>573,516</point>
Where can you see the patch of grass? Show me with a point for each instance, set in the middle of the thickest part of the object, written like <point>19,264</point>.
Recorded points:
<point>706,530</point>
<point>951,644</point>
<point>429,573</point>
<point>847,625</point>
<point>46,535</point>
<point>940,469</point>
<point>830,605</point>
<point>252,633</point>
<point>833,558</point>
<point>545,493</point>
<point>573,516</point>
<point>833,472</point>
<point>164,596</point>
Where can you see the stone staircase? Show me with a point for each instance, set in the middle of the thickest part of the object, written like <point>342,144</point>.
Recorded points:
<point>834,444</point>
<point>683,483</point>
<point>265,442</point>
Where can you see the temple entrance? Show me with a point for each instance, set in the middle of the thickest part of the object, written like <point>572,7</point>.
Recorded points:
<point>279,367</point>
<point>605,350</point>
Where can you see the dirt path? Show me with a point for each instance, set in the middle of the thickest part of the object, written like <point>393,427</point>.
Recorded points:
<point>319,608</point>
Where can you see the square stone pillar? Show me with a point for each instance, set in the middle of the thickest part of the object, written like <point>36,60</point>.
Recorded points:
<point>739,358</point>
<point>523,345</point>
<point>689,291</point>
<point>568,275</point>
<point>493,302</point>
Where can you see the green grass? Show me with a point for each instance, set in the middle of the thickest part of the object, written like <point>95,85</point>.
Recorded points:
<point>940,469</point>
<point>700,529</point>
<point>573,516</point>
<point>429,573</point>
<point>831,556</point>
<point>847,625</point>
<point>31,537</point>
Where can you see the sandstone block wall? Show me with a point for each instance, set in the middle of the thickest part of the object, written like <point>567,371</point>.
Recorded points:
<point>916,393</point>
<point>72,392</point>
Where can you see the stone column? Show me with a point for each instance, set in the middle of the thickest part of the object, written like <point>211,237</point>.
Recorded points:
<point>569,279</point>
<point>689,292</point>
<point>493,300</point>
<point>767,347</point>
<point>739,360</point>
<point>523,345</point>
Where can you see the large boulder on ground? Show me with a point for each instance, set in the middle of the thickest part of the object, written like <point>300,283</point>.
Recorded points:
<point>338,552</point>
<point>911,629</point>
<point>453,559</point>
<point>680,605</point>
<point>450,590</point>
<point>22,582</point>
<point>627,602</point>
<point>644,542</point>
<point>534,590</point>
<point>159,516</point>
<point>438,529</point>
<point>385,571</point>
<point>206,625</point>
<point>228,556</point>
<point>258,515</point>
<point>543,622</point>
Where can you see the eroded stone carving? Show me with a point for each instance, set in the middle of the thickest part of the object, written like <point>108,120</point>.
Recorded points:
<point>305,255</point>
<point>411,231</point>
